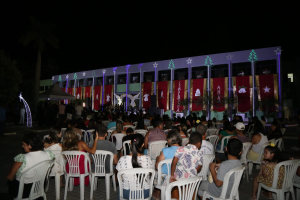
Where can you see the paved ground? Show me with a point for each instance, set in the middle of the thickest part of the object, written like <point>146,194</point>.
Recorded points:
<point>10,146</point>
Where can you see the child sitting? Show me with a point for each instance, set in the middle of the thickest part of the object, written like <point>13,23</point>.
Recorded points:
<point>234,149</point>
<point>266,174</point>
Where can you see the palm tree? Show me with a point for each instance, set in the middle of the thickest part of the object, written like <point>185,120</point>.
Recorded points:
<point>41,34</point>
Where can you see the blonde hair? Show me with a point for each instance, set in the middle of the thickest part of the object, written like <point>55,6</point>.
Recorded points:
<point>119,126</point>
<point>70,141</point>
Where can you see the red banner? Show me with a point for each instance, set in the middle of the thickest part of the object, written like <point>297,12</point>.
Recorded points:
<point>242,86</point>
<point>147,91</point>
<point>179,94</point>
<point>87,92</point>
<point>162,95</point>
<point>70,91</point>
<point>78,92</point>
<point>108,94</point>
<point>97,97</point>
<point>219,90</point>
<point>198,90</point>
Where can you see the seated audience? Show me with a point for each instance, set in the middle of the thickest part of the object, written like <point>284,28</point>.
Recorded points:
<point>239,129</point>
<point>263,121</point>
<point>119,128</point>
<point>206,146</point>
<point>129,135</point>
<point>168,126</point>
<point>227,131</point>
<point>73,125</point>
<point>92,124</point>
<point>80,124</point>
<point>126,121</point>
<point>155,134</point>
<point>140,125</point>
<point>183,130</point>
<point>113,122</point>
<point>275,132</point>
<point>210,124</point>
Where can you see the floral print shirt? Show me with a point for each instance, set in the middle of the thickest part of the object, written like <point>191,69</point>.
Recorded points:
<point>188,161</point>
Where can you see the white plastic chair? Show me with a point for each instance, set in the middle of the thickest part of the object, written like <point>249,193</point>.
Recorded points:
<point>41,171</point>
<point>186,188</point>
<point>79,136</point>
<point>234,194</point>
<point>250,131</point>
<point>105,123</point>
<point>297,186</point>
<point>212,131</point>
<point>279,143</point>
<point>213,139</point>
<point>73,158</point>
<point>222,143</point>
<point>155,148</point>
<point>45,136</point>
<point>99,159</point>
<point>109,131</point>
<point>260,156</point>
<point>243,159</point>
<point>290,168</point>
<point>88,136</point>
<point>135,123</point>
<point>143,132</point>
<point>119,137</point>
<point>126,143</point>
<point>149,127</point>
<point>185,141</point>
<point>129,126</point>
<point>162,188</point>
<point>63,133</point>
<point>137,178</point>
<point>207,159</point>
<point>57,175</point>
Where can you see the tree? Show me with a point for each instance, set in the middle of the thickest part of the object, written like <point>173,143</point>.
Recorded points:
<point>10,78</point>
<point>41,34</point>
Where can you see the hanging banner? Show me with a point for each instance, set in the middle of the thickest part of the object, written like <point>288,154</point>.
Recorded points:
<point>108,94</point>
<point>242,89</point>
<point>162,95</point>
<point>147,91</point>
<point>70,91</point>
<point>267,90</point>
<point>219,91</point>
<point>179,94</point>
<point>87,92</point>
<point>198,91</point>
<point>78,93</point>
<point>97,97</point>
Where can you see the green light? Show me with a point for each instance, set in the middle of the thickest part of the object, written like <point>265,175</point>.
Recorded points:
<point>75,76</point>
<point>252,56</point>
<point>93,74</point>
<point>59,78</point>
<point>171,65</point>
<point>208,61</point>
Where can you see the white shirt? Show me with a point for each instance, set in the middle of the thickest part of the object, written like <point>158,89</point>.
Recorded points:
<point>206,148</point>
<point>78,109</point>
<point>56,150</point>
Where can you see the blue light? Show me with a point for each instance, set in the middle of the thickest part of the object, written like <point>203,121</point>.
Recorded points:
<point>27,109</point>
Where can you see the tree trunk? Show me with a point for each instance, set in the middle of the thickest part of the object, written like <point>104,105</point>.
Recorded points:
<point>37,78</point>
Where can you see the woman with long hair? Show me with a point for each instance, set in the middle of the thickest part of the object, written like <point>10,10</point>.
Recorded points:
<point>135,160</point>
<point>183,130</point>
<point>140,125</point>
<point>119,128</point>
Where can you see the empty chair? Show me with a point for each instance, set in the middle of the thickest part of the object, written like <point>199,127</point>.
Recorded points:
<point>223,144</point>
<point>100,159</point>
<point>184,141</point>
<point>243,159</point>
<point>279,143</point>
<point>155,148</point>
<point>186,188</point>
<point>119,137</point>
<point>162,188</point>
<point>126,146</point>
<point>212,131</point>
<point>88,137</point>
<point>207,159</point>
<point>139,180</point>
<point>290,168</point>
<point>234,194</point>
<point>143,132</point>
<point>41,171</point>
<point>213,139</point>
<point>73,161</point>
<point>260,157</point>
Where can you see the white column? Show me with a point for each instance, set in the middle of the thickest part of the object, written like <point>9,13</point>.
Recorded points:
<point>171,94</point>
<point>189,89</point>
<point>253,87</point>
<point>208,91</point>
<point>279,81</point>
<point>141,97</point>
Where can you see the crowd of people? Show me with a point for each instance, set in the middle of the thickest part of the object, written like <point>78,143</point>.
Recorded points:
<point>187,160</point>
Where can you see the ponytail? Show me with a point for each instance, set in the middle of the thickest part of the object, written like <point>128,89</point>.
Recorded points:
<point>137,142</point>
<point>53,135</point>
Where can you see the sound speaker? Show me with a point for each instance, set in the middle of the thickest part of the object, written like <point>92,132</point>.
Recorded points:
<point>153,101</point>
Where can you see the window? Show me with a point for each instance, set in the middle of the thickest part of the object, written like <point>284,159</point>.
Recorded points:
<point>266,67</point>
<point>135,78</point>
<point>41,88</point>
<point>241,69</point>
<point>181,74</point>
<point>199,72</point>
<point>89,82</point>
<point>109,80</point>
<point>47,87</point>
<point>291,77</point>
<point>122,79</point>
<point>148,77</point>
<point>219,71</point>
<point>99,81</point>
<point>164,75</point>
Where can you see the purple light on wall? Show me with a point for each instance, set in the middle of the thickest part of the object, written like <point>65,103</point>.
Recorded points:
<point>103,87</point>
<point>127,67</point>
<point>115,68</point>
<point>140,65</point>
<point>67,87</point>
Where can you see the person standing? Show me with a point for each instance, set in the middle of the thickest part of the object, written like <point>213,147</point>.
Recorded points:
<point>2,120</point>
<point>61,110</point>
<point>79,110</point>
<point>22,115</point>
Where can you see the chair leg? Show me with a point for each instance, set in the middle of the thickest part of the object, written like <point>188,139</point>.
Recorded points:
<point>114,182</point>
<point>66,187</point>
<point>162,193</point>
<point>81,187</point>
<point>298,193</point>
<point>275,196</point>
<point>293,193</point>
<point>71,185</point>
<point>57,185</point>
<point>92,187</point>
<point>107,186</point>
<point>281,195</point>
<point>44,196</point>
<point>258,191</point>
<point>95,183</point>
<point>250,167</point>
<point>47,184</point>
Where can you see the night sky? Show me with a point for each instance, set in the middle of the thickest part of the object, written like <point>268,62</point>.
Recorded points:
<point>93,36</point>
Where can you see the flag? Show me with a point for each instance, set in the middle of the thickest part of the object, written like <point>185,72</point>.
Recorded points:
<point>78,93</point>
<point>97,97</point>
<point>71,92</point>
<point>108,94</point>
<point>242,88</point>
<point>87,92</point>
<point>198,90</point>
<point>219,90</point>
<point>147,91</point>
<point>162,95</point>
<point>179,94</point>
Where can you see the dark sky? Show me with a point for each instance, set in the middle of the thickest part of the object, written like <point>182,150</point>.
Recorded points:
<point>93,36</point>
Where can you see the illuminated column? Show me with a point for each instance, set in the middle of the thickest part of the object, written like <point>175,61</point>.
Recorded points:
<point>171,67</point>
<point>27,109</point>
<point>230,90</point>
<point>103,87</point>
<point>155,78</point>
<point>67,77</point>
<point>189,62</point>
<point>253,58</point>
<point>278,53</point>
<point>115,87</point>
<point>141,78</point>
<point>209,64</point>
<point>93,84</point>
<point>127,67</point>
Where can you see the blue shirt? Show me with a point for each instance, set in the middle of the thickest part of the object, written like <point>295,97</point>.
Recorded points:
<point>2,114</point>
<point>169,153</point>
<point>111,124</point>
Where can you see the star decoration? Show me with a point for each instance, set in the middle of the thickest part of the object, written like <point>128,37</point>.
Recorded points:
<point>83,74</point>
<point>278,51</point>
<point>93,74</point>
<point>127,67</point>
<point>140,65</point>
<point>155,65</point>
<point>104,71</point>
<point>67,76</point>
<point>189,61</point>
<point>115,68</point>
<point>52,78</point>
<point>266,89</point>
<point>229,57</point>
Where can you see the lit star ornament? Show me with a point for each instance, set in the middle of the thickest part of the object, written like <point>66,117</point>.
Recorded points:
<point>52,78</point>
<point>278,51</point>
<point>83,74</point>
<point>67,76</point>
<point>189,61</point>
<point>229,57</point>
<point>104,71</point>
<point>266,89</point>
<point>155,65</point>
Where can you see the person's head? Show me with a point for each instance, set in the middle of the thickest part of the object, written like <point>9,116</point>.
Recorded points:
<point>214,119</point>
<point>203,118</point>
<point>70,141</point>
<point>184,129</point>
<point>272,153</point>
<point>140,124</point>
<point>275,127</point>
<point>227,126</point>
<point>239,128</point>
<point>202,130</point>
<point>263,118</point>
<point>32,142</point>
<point>137,142</point>
<point>240,118</point>
<point>258,128</point>
<point>92,124</point>
<point>73,123</point>
<point>196,139</point>
<point>176,128</point>
<point>101,130</point>
<point>234,147</point>
<point>174,137</point>
<point>114,118</point>
<point>158,123</point>
<point>209,124</point>
<point>168,124</point>
<point>129,131</point>
<point>54,135</point>
<point>119,126</point>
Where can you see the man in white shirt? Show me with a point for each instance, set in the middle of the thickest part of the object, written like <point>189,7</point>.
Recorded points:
<point>206,147</point>
<point>79,110</point>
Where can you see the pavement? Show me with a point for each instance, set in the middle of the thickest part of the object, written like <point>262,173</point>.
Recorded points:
<point>11,146</point>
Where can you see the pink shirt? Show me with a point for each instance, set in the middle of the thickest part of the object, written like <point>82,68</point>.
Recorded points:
<point>61,109</point>
<point>156,134</point>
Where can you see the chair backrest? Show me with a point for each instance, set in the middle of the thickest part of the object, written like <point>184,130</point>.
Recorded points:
<point>283,130</point>
<point>168,162</point>
<point>41,171</point>
<point>143,132</point>
<point>73,157</point>
<point>59,160</point>
<point>128,126</point>
<point>272,140</point>
<point>212,131</point>
<point>186,188</point>
<point>251,128</point>
<point>290,168</point>
<point>149,127</point>
<point>213,139</point>
<point>237,174</point>
<point>99,159</point>
<point>137,178</point>
<point>88,136</point>
<point>246,149</point>
<point>207,159</point>
<point>156,147</point>
<point>278,142</point>
<point>185,141</point>
<point>105,122</point>
<point>45,136</point>
<point>126,144</point>
<point>135,123</point>
<point>119,137</point>
<point>262,149</point>
<point>79,136</point>
<point>109,131</point>
<point>226,138</point>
